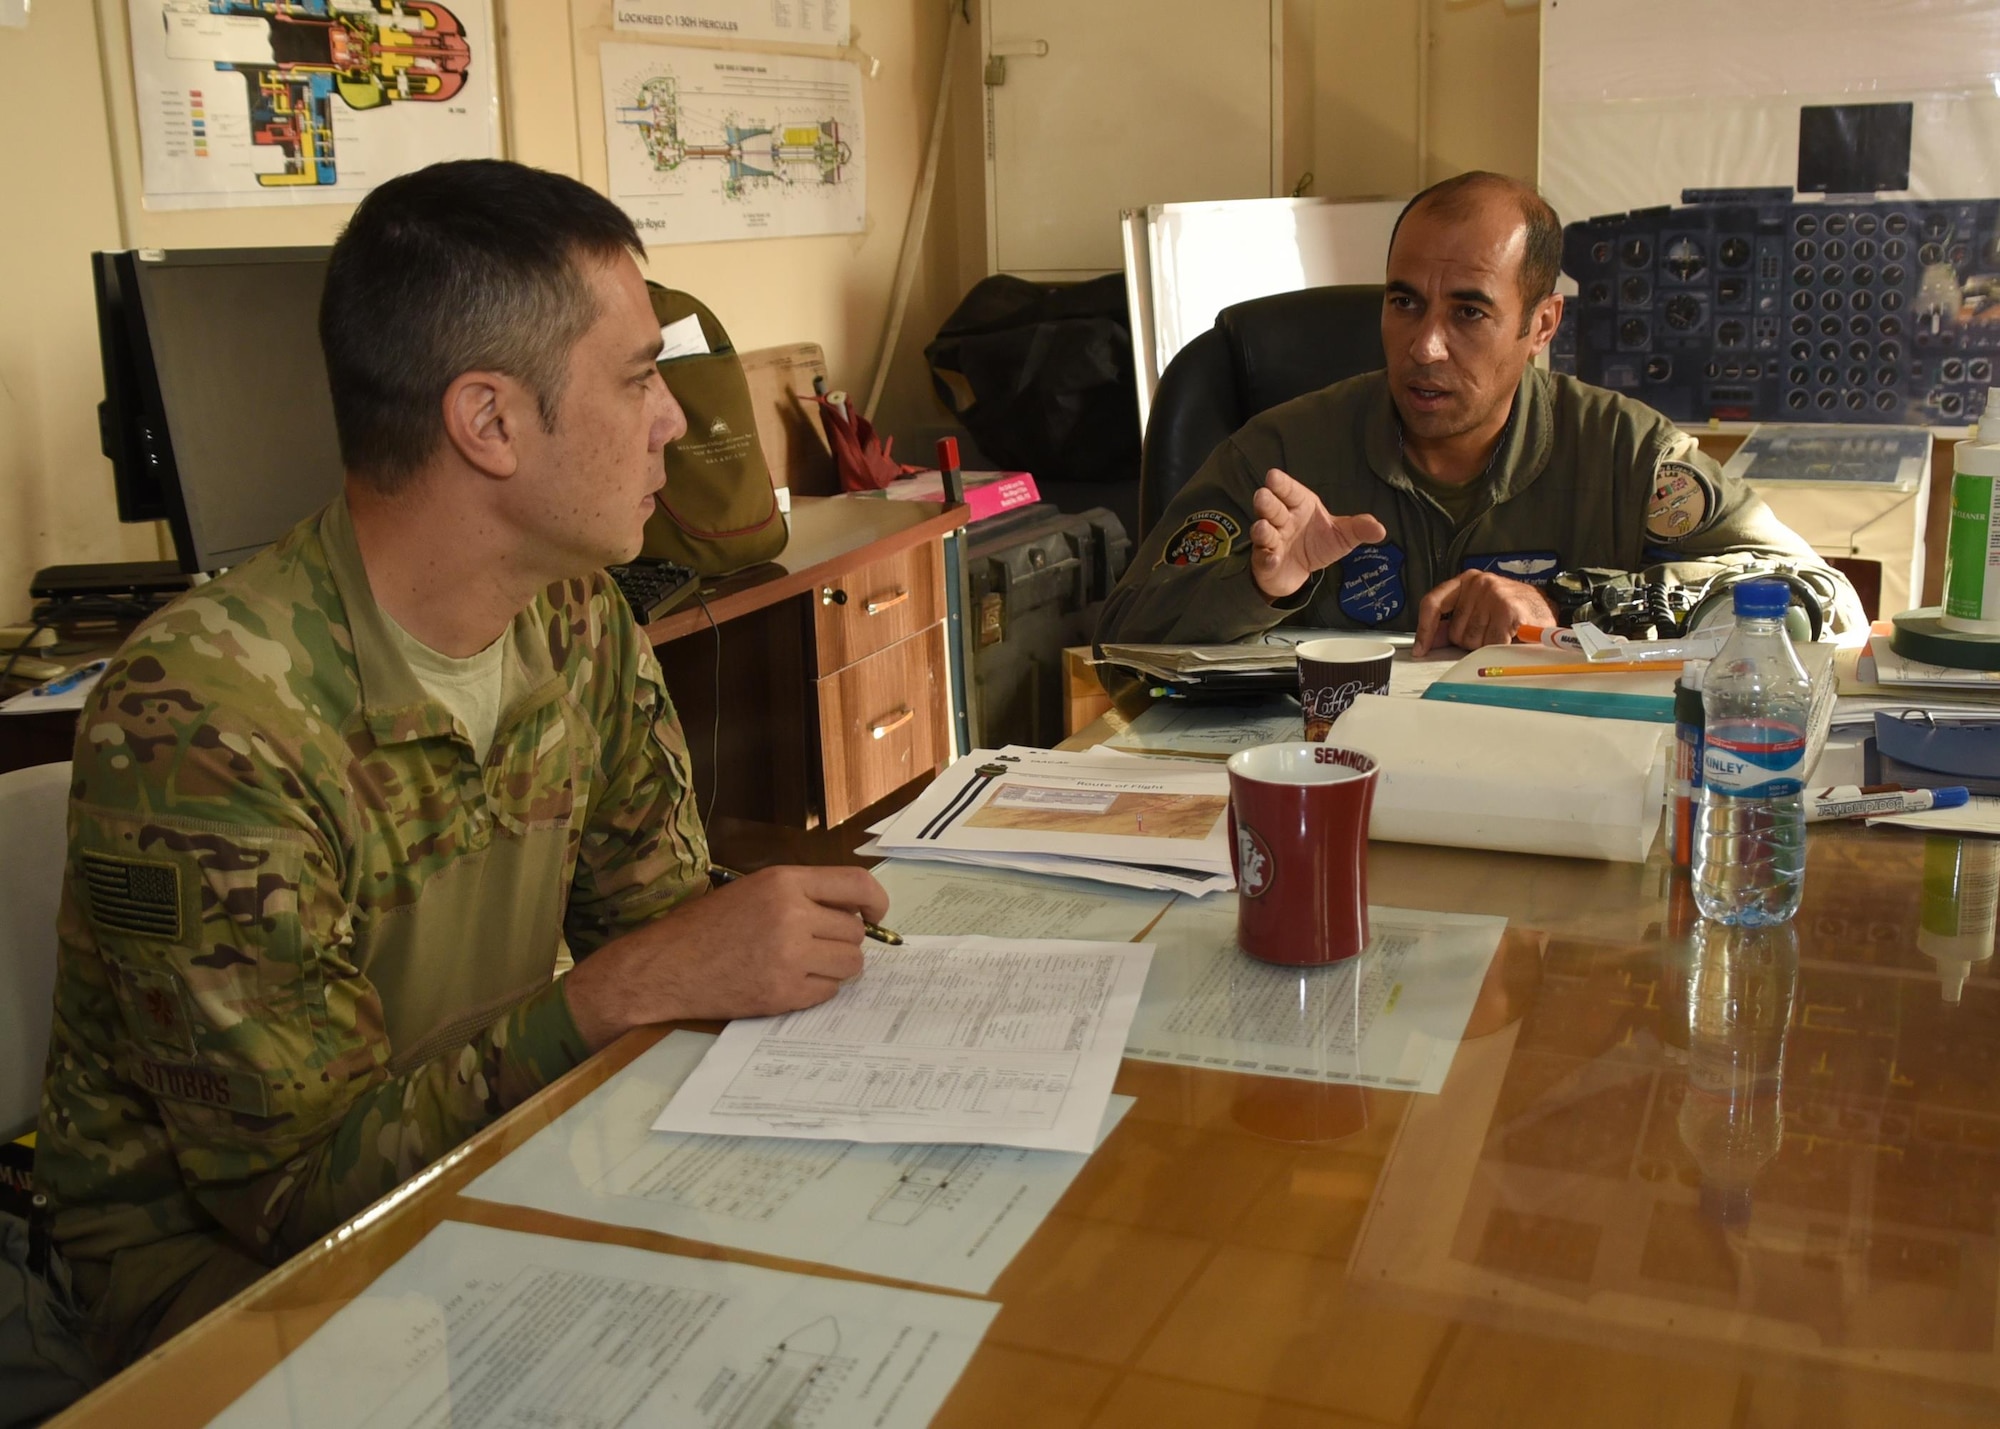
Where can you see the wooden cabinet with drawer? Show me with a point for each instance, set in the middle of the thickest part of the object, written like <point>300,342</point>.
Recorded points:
<point>879,650</point>
<point>817,685</point>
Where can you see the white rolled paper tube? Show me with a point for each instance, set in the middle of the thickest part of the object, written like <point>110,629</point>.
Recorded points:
<point>1478,776</point>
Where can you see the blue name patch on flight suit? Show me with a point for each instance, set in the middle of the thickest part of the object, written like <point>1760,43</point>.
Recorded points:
<point>1371,584</point>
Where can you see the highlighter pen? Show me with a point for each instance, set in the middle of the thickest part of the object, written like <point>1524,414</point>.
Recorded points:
<point>1849,801</point>
<point>718,876</point>
<point>1556,637</point>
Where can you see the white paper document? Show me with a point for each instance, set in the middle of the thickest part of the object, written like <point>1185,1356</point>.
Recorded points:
<point>704,145</point>
<point>1210,731</point>
<point>810,22</point>
<point>927,898</point>
<point>943,1215</point>
<point>1143,877</point>
<point>478,1328</point>
<point>1392,1017</point>
<point>954,1040</point>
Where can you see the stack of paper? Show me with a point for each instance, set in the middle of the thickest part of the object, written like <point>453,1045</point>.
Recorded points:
<point>1192,664</point>
<point>1143,823</point>
<point>1877,679</point>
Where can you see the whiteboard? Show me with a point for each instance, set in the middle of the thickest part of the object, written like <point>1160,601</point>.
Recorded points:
<point>1186,262</point>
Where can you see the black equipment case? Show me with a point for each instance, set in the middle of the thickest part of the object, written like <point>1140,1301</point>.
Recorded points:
<point>1035,581</point>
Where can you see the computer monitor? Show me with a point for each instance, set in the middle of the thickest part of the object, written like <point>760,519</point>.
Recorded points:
<point>216,415</point>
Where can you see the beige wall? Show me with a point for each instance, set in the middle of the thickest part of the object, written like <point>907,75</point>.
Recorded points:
<point>66,80</point>
<point>1351,120</point>
<point>1482,97</point>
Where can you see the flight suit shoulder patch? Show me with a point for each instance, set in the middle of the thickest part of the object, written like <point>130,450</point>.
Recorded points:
<point>137,896</point>
<point>1681,503</point>
<point>1371,583</point>
<point>1204,536</point>
<point>157,1007</point>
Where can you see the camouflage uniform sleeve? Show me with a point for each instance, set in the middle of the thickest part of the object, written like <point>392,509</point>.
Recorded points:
<point>643,849</point>
<point>1189,582</point>
<point>1695,512</point>
<point>211,893</point>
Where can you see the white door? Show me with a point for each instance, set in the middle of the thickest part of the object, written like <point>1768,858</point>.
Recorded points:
<point>1095,106</point>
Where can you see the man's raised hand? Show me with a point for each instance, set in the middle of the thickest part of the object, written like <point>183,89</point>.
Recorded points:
<point>1294,535</point>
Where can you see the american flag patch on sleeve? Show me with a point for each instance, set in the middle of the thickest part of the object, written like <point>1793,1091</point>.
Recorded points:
<point>127,896</point>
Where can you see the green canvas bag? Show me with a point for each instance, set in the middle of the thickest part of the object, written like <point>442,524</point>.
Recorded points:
<point>717,512</point>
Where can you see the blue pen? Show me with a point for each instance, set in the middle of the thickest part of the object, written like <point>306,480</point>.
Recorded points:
<point>63,684</point>
<point>1161,692</point>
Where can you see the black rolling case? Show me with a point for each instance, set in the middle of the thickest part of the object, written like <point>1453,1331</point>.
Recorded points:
<point>1035,580</point>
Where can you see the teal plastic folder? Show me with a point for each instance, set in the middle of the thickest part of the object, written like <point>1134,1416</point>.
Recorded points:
<point>1599,704</point>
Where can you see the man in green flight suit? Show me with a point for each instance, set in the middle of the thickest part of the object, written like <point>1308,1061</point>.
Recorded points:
<point>1440,494</point>
<point>339,814</point>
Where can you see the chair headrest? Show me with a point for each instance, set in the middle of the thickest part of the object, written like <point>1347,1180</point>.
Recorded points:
<point>1288,344</point>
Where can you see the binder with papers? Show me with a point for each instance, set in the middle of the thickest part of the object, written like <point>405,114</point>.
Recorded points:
<point>1144,823</point>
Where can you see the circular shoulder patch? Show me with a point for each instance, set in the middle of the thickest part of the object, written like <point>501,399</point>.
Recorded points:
<point>1680,503</point>
<point>1204,536</point>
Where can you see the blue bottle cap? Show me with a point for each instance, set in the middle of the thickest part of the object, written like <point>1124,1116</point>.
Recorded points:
<point>1761,600</point>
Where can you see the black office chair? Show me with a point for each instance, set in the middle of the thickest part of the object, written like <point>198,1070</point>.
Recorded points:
<point>1258,354</point>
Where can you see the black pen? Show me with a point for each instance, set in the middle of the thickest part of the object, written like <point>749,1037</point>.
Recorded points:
<point>718,875</point>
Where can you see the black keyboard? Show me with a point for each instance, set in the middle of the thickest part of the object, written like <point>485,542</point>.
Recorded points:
<point>653,586</point>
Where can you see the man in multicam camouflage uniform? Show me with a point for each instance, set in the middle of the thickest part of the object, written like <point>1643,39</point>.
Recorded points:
<point>337,813</point>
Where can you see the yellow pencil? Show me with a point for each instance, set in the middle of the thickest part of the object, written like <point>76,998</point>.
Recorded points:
<point>1602,667</point>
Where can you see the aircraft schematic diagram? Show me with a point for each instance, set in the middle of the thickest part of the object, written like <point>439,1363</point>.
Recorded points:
<point>296,56</point>
<point>790,1385</point>
<point>939,1176</point>
<point>757,154</point>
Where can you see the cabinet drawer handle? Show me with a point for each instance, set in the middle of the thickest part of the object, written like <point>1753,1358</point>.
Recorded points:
<point>890,725</point>
<point>880,603</point>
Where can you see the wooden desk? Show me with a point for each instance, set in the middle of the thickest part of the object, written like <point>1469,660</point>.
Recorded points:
<point>830,689</point>
<point>1523,1249</point>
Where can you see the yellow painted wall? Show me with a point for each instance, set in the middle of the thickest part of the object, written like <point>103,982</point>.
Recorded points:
<point>66,81</point>
<point>1482,97</point>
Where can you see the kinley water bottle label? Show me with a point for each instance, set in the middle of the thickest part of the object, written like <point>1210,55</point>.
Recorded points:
<point>1767,768</point>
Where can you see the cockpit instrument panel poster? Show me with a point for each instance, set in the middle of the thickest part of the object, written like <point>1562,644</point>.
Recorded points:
<point>255,103</point>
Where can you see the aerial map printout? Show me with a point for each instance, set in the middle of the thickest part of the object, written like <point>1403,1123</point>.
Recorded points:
<point>247,103</point>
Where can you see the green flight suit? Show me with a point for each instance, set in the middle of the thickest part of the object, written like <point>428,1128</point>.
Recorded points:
<point>307,943</point>
<point>1582,477</point>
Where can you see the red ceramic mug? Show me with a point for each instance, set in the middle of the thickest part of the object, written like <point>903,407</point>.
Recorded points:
<point>1298,841</point>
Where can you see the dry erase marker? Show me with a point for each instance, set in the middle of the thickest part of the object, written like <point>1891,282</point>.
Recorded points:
<point>719,876</point>
<point>1850,801</point>
<point>63,684</point>
<point>1556,637</point>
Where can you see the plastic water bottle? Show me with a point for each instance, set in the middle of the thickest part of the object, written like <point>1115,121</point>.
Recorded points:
<point>1750,846</point>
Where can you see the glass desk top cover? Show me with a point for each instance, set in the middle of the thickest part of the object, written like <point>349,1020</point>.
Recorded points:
<point>1676,1176</point>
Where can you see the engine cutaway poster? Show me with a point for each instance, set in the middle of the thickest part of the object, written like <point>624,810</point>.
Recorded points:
<point>246,103</point>
<point>715,144</point>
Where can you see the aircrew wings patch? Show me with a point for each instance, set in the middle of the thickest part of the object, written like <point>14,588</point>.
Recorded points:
<point>1681,501</point>
<point>1204,536</point>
